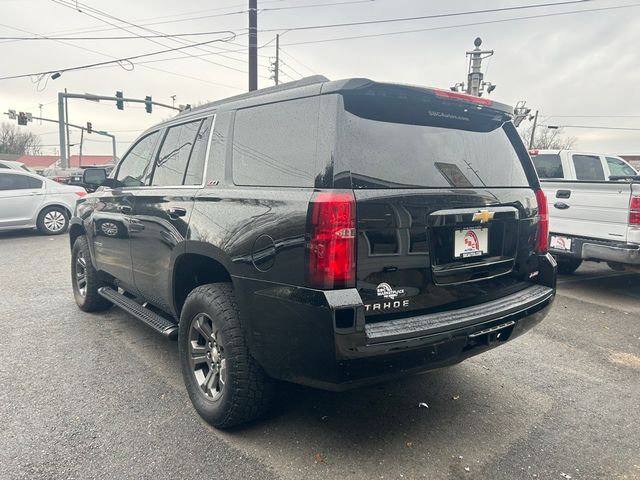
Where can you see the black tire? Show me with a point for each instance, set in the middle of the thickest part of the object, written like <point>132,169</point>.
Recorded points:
<point>243,391</point>
<point>53,221</point>
<point>568,265</point>
<point>85,279</point>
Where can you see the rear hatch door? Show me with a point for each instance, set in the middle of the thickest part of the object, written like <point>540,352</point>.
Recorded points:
<point>446,211</point>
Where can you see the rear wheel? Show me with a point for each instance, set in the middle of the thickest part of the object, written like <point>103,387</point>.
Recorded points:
<point>226,385</point>
<point>85,280</point>
<point>568,265</point>
<point>53,221</point>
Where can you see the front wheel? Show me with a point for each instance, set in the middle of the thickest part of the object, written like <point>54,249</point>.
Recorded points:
<point>226,385</point>
<point>85,280</point>
<point>568,265</point>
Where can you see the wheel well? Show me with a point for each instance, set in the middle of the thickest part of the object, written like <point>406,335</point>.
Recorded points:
<point>75,231</point>
<point>193,270</point>
<point>68,212</point>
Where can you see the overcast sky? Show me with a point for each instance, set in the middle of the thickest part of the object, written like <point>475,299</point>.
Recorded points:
<point>575,68</point>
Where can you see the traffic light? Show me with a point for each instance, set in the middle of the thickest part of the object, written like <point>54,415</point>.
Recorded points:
<point>120,103</point>
<point>148,105</point>
<point>22,118</point>
<point>89,127</point>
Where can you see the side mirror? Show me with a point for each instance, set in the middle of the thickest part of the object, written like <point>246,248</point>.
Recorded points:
<point>94,176</point>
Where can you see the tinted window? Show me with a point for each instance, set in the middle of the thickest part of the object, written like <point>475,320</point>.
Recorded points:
<point>195,169</point>
<point>618,167</point>
<point>275,144</point>
<point>548,165</point>
<point>174,155</point>
<point>19,182</point>
<point>136,165</point>
<point>588,167</point>
<point>387,140</point>
<point>2,165</point>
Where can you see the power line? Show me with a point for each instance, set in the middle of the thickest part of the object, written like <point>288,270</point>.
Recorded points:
<point>595,127</point>
<point>425,17</point>
<point>164,35</point>
<point>95,11</point>
<point>169,72</point>
<point>297,61</point>
<point>460,25</point>
<point>119,61</point>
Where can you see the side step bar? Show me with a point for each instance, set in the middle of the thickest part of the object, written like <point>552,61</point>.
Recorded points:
<point>158,323</point>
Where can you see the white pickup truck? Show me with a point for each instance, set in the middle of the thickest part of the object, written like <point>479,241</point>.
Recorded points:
<point>594,208</point>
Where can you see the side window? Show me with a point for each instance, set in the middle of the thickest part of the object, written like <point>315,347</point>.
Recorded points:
<point>2,165</point>
<point>275,145</point>
<point>19,182</point>
<point>195,169</point>
<point>548,165</point>
<point>136,165</point>
<point>618,167</point>
<point>174,154</point>
<point>588,167</point>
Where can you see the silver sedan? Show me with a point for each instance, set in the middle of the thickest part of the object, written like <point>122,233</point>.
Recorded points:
<point>28,200</point>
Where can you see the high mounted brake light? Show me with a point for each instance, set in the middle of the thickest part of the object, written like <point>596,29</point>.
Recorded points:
<point>463,96</point>
<point>542,235</point>
<point>634,210</point>
<point>331,240</point>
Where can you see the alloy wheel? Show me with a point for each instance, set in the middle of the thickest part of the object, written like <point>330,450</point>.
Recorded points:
<point>81,274</point>
<point>54,221</point>
<point>207,356</point>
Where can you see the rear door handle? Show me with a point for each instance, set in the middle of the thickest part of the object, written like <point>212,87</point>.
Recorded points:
<point>563,194</point>
<point>561,205</point>
<point>176,212</point>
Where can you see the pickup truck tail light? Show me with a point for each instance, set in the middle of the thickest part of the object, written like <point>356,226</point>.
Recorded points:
<point>331,240</point>
<point>634,210</point>
<point>542,235</point>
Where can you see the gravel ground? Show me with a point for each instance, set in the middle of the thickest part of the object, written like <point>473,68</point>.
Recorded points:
<point>101,396</point>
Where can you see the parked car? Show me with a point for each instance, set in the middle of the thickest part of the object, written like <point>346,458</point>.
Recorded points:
<point>61,175</point>
<point>594,208</point>
<point>28,200</point>
<point>332,234</point>
<point>12,164</point>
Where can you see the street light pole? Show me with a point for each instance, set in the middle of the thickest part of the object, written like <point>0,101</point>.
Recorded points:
<point>533,130</point>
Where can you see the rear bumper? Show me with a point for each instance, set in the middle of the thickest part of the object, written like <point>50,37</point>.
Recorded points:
<point>304,336</point>
<point>603,250</point>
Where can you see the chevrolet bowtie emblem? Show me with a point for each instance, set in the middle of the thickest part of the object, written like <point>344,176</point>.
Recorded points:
<point>483,215</point>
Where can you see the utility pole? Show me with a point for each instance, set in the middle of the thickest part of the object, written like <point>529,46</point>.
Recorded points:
<point>66,122</point>
<point>173,100</point>
<point>61,130</point>
<point>40,107</point>
<point>81,139</point>
<point>274,68</point>
<point>253,45</point>
<point>533,130</point>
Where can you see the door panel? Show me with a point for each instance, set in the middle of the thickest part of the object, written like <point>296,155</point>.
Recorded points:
<point>20,200</point>
<point>110,235</point>
<point>158,230</point>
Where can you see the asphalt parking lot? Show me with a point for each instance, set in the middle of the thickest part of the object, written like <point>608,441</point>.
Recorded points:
<point>101,396</point>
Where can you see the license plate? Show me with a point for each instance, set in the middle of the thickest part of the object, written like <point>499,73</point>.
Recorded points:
<point>560,243</point>
<point>471,242</point>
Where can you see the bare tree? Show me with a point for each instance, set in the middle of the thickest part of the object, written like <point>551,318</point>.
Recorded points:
<point>12,140</point>
<point>547,138</point>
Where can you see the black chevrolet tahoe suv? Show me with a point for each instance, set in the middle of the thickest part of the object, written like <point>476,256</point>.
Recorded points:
<point>327,233</point>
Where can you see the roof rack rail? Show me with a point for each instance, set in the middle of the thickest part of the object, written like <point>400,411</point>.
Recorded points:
<point>303,82</point>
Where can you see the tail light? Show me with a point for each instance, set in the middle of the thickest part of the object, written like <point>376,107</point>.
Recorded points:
<point>81,194</point>
<point>634,210</point>
<point>542,236</point>
<point>331,240</point>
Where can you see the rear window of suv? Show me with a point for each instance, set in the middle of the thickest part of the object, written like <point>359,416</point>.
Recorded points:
<point>417,141</point>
